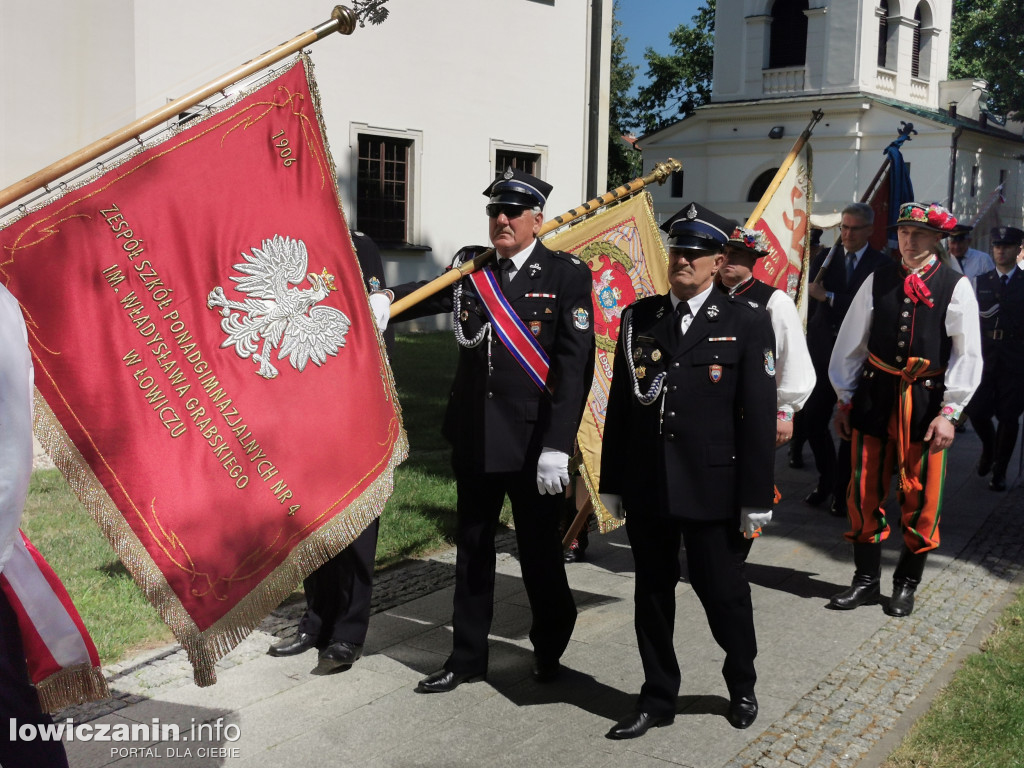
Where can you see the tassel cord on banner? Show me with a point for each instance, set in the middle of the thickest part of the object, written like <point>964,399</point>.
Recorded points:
<point>343,20</point>
<point>661,172</point>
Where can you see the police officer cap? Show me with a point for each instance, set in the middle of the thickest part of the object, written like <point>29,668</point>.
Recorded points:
<point>515,187</point>
<point>1007,236</point>
<point>697,228</point>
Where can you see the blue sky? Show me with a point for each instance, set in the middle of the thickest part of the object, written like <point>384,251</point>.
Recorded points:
<point>647,24</point>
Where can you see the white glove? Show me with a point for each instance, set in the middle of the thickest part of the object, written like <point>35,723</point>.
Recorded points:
<point>380,304</point>
<point>751,522</point>
<point>613,503</point>
<point>552,471</point>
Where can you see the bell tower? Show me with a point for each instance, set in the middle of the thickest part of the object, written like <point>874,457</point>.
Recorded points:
<point>781,49</point>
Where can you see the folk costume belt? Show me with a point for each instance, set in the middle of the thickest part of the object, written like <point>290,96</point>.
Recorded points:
<point>916,368</point>
<point>510,329</point>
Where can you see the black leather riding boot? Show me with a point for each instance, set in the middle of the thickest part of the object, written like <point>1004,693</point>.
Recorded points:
<point>905,581</point>
<point>867,561</point>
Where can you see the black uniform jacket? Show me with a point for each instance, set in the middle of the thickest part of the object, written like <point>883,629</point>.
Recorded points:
<point>1002,322</point>
<point>705,447</point>
<point>498,419</point>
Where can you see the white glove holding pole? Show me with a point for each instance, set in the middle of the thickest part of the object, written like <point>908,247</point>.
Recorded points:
<point>613,503</point>
<point>380,304</point>
<point>552,471</point>
<point>752,521</point>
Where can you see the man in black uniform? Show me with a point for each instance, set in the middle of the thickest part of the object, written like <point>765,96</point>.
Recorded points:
<point>524,324</point>
<point>339,593</point>
<point>688,454</point>
<point>831,294</point>
<point>1001,393</point>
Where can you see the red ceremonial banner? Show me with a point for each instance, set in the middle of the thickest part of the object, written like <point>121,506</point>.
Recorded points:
<point>215,387</point>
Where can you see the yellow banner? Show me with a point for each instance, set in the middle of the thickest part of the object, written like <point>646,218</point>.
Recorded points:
<point>623,247</point>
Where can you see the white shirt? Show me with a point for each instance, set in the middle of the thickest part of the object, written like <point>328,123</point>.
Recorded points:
<point>694,302</point>
<point>794,372</point>
<point>963,374</point>
<point>975,263</point>
<point>519,259</point>
<point>15,420</point>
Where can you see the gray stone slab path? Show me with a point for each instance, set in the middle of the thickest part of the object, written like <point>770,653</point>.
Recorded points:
<point>835,688</point>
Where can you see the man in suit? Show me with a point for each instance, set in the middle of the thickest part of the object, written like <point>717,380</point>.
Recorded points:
<point>19,703</point>
<point>524,325</point>
<point>1001,393</point>
<point>831,289</point>
<point>905,363</point>
<point>339,593</point>
<point>687,456</point>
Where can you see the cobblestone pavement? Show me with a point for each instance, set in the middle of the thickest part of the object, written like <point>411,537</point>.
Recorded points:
<point>837,689</point>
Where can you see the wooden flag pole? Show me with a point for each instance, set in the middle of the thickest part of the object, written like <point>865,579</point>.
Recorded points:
<point>661,172</point>
<point>816,116</point>
<point>342,20</point>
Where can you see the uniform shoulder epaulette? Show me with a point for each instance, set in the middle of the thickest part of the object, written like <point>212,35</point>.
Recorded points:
<point>467,253</point>
<point>574,260</point>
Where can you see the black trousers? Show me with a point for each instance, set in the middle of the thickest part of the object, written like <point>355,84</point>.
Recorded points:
<point>339,592</point>
<point>832,463</point>
<point>716,554</point>
<point>537,517</point>
<point>18,702</point>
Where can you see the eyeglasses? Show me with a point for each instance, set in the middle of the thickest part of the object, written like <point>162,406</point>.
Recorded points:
<point>847,228</point>
<point>494,210</point>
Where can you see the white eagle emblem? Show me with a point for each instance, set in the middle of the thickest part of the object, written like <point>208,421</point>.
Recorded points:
<point>276,315</point>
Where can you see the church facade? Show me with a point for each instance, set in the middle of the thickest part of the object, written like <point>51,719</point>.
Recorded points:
<point>871,66</point>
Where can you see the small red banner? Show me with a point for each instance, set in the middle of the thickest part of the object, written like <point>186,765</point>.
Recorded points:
<point>216,387</point>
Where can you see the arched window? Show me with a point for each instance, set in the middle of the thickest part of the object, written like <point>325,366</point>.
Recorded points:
<point>760,185</point>
<point>788,34</point>
<point>915,54</point>
<point>883,31</point>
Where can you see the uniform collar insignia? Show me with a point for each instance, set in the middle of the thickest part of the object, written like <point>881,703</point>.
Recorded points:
<point>712,311</point>
<point>534,268</point>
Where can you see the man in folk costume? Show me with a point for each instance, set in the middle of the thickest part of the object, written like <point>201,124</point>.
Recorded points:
<point>794,372</point>
<point>687,457</point>
<point>1001,392</point>
<point>906,362</point>
<point>524,325</point>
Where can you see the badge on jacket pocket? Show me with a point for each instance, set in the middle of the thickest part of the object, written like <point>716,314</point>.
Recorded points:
<point>535,326</point>
<point>715,373</point>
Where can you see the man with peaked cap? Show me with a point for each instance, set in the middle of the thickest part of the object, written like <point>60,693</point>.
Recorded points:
<point>831,290</point>
<point>687,456</point>
<point>794,373</point>
<point>1001,393</point>
<point>340,592</point>
<point>970,261</point>
<point>526,362</point>
<point>905,364</point>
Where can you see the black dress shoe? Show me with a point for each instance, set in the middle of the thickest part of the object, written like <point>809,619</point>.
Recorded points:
<point>902,602</point>
<point>638,724</point>
<point>575,553</point>
<point>443,681</point>
<point>545,670</point>
<point>837,508</point>
<point>298,644</point>
<point>337,656</point>
<point>742,711</point>
<point>998,482</point>
<point>816,497</point>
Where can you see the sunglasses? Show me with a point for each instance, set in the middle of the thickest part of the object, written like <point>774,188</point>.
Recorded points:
<point>494,210</point>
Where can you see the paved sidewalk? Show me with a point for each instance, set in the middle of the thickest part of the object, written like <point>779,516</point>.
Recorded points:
<point>835,688</point>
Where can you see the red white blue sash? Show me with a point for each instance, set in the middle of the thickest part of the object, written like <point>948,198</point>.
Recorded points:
<point>510,329</point>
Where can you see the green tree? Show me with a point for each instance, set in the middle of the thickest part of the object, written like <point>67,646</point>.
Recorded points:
<point>681,81</point>
<point>624,162</point>
<point>988,43</point>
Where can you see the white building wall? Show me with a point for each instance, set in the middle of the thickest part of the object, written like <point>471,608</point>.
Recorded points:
<point>463,75</point>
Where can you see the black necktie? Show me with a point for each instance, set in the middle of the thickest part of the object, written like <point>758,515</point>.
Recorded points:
<point>505,267</point>
<point>850,266</point>
<point>682,310</point>
<point>1004,279</point>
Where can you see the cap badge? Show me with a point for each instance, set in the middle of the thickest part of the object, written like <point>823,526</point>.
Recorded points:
<point>691,212</point>
<point>508,173</point>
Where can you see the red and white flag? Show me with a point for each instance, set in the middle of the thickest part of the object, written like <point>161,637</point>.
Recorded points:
<point>216,388</point>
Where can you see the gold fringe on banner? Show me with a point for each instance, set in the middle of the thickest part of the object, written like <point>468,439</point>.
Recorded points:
<point>70,686</point>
